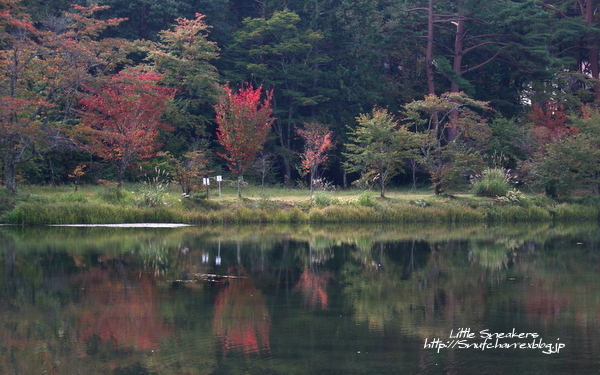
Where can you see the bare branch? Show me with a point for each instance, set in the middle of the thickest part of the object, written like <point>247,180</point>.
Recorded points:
<point>482,36</point>
<point>481,65</point>
<point>472,48</point>
<point>553,8</point>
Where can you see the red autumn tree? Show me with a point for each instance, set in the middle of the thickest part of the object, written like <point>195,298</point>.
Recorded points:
<point>549,122</point>
<point>244,120</point>
<point>41,71</point>
<point>317,141</point>
<point>122,118</point>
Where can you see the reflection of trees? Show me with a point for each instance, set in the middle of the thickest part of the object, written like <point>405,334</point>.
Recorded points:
<point>545,305</point>
<point>313,287</point>
<point>489,255</point>
<point>120,309</point>
<point>432,298</point>
<point>409,283</point>
<point>242,321</point>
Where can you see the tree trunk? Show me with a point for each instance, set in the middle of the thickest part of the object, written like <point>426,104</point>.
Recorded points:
<point>593,49</point>
<point>457,68</point>
<point>10,176</point>
<point>120,173</point>
<point>381,185</point>
<point>239,185</point>
<point>429,52</point>
<point>458,53</point>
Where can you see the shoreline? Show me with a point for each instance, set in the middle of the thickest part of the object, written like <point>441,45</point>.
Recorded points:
<point>271,212</point>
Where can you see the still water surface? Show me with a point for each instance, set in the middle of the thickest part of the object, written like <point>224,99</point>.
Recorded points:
<point>522,299</point>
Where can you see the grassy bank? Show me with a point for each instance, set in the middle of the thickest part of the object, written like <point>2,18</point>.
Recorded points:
<point>138,203</point>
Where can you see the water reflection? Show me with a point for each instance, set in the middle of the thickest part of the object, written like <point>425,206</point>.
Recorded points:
<point>296,299</point>
<point>119,309</point>
<point>242,322</point>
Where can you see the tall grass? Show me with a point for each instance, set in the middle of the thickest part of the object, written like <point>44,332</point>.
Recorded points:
<point>84,213</point>
<point>494,182</point>
<point>103,206</point>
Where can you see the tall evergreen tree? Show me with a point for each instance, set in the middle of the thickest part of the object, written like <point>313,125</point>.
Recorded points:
<point>276,53</point>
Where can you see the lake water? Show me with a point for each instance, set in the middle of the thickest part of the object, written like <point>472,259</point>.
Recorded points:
<point>420,299</point>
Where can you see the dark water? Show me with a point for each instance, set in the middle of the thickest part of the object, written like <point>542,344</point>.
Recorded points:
<point>521,299</point>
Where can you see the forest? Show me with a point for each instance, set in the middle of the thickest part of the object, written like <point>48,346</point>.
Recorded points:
<point>311,93</point>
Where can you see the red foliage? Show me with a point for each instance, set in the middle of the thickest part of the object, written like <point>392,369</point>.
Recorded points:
<point>244,122</point>
<point>122,118</point>
<point>317,141</point>
<point>549,122</point>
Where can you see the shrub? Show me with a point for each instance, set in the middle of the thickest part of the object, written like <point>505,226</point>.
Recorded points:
<point>151,195</point>
<point>494,182</point>
<point>543,201</point>
<point>323,199</point>
<point>366,199</point>
<point>421,203</point>
<point>512,196</point>
<point>114,194</point>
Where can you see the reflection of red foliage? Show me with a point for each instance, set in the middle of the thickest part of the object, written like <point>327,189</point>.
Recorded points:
<point>242,321</point>
<point>312,285</point>
<point>546,305</point>
<point>121,310</point>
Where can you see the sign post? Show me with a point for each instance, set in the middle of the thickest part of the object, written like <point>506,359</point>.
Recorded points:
<point>206,182</point>
<point>219,179</point>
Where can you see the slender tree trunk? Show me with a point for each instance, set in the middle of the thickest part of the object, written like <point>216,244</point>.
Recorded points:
<point>590,11</point>
<point>10,176</point>
<point>120,173</point>
<point>458,53</point>
<point>381,185</point>
<point>413,165</point>
<point>429,52</point>
<point>239,185</point>
<point>287,167</point>
<point>429,62</point>
<point>457,68</point>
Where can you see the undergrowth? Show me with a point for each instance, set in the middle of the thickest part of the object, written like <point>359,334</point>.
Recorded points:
<point>109,205</point>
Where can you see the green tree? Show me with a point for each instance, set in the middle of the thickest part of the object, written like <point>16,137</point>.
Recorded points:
<point>450,160</point>
<point>569,162</point>
<point>277,53</point>
<point>183,57</point>
<point>379,145</point>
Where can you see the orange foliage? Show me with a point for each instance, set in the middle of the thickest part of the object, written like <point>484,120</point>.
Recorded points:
<point>317,141</point>
<point>549,123</point>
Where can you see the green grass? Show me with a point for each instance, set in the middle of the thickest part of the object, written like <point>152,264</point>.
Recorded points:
<point>36,205</point>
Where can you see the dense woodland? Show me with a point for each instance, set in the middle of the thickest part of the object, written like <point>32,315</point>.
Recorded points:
<point>363,92</point>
